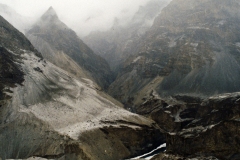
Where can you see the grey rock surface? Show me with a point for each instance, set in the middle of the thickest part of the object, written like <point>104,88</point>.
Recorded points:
<point>61,46</point>
<point>191,48</point>
<point>48,113</point>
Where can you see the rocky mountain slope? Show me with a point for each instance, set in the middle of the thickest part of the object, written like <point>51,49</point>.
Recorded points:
<point>115,44</point>
<point>45,112</point>
<point>192,48</point>
<point>195,128</point>
<point>20,22</point>
<point>61,46</point>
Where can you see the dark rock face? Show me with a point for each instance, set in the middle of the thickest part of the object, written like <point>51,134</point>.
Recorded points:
<point>218,141</point>
<point>192,48</point>
<point>134,145</point>
<point>214,131</point>
<point>196,127</point>
<point>61,46</point>
<point>164,156</point>
<point>9,38</point>
<point>9,72</point>
<point>171,114</point>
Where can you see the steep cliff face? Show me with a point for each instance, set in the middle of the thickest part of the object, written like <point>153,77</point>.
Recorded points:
<point>61,46</point>
<point>115,45</point>
<point>196,128</point>
<point>46,112</point>
<point>192,48</point>
<point>214,130</point>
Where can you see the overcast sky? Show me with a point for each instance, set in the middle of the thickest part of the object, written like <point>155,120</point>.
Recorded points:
<point>81,15</point>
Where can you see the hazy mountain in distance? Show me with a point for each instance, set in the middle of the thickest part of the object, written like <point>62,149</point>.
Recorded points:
<point>20,22</point>
<point>115,45</point>
<point>45,112</point>
<point>192,48</point>
<point>61,46</point>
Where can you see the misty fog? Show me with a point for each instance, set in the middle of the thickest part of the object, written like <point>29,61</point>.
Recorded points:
<point>83,16</point>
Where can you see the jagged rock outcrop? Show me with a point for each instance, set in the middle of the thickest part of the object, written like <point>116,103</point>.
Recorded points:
<point>61,46</point>
<point>197,128</point>
<point>192,48</point>
<point>45,112</point>
<point>214,131</point>
<point>115,45</point>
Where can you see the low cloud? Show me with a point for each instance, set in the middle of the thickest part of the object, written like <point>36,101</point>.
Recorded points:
<point>83,16</point>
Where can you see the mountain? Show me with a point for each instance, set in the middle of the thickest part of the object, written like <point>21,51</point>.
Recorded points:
<point>115,45</point>
<point>20,22</point>
<point>45,112</point>
<point>61,46</point>
<point>195,128</point>
<point>192,48</point>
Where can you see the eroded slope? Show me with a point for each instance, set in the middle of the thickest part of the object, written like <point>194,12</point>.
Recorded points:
<point>46,112</point>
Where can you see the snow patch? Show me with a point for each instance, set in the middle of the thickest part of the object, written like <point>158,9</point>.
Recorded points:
<point>196,130</point>
<point>194,44</point>
<point>238,44</point>
<point>172,44</point>
<point>136,59</point>
<point>198,27</point>
<point>161,146</point>
<point>172,133</point>
<point>215,110</point>
<point>222,22</point>
<point>168,112</point>
<point>177,116</point>
<point>237,119</point>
